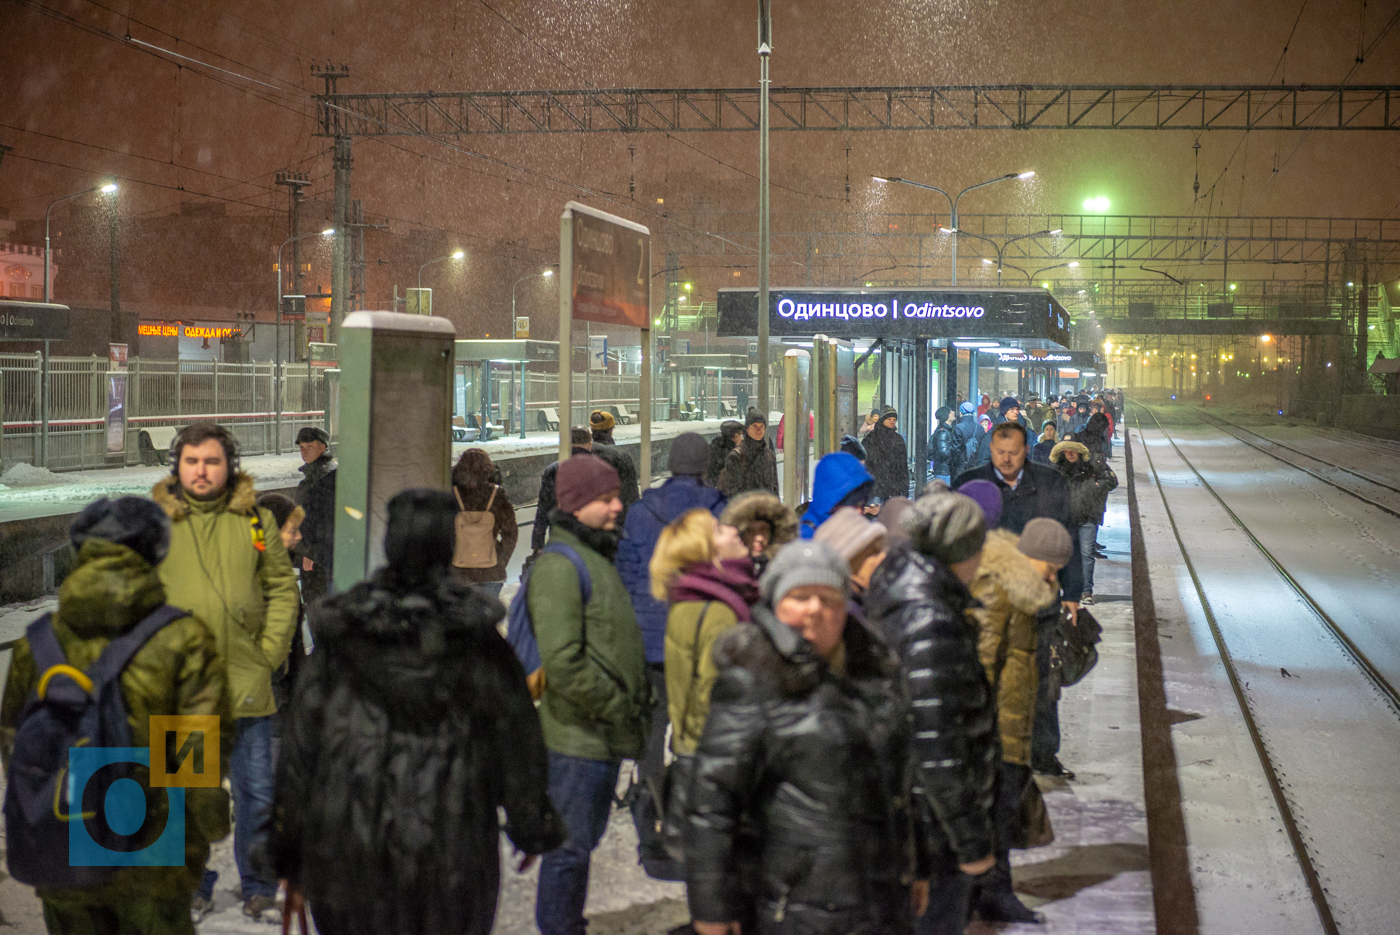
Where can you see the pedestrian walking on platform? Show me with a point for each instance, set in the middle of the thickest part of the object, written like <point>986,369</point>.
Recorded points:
<point>1090,482</point>
<point>476,484</point>
<point>227,564</point>
<point>315,557</point>
<point>411,726</point>
<point>752,465</point>
<point>798,816</point>
<point>887,457</point>
<point>596,705</point>
<point>113,588</point>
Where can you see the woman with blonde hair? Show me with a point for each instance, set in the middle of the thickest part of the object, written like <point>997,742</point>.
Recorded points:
<point>702,567</point>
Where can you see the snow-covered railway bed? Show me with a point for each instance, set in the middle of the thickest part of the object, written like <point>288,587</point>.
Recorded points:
<point>1287,589</point>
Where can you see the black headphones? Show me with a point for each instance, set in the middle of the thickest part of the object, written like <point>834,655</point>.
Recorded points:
<point>205,431</point>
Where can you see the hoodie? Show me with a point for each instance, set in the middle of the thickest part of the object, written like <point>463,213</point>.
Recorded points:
<point>837,475</point>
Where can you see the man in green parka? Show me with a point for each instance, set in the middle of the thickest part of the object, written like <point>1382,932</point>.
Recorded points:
<point>227,564</point>
<point>113,587</point>
<point>596,706</point>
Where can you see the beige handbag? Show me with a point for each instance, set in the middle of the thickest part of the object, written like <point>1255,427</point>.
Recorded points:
<point>476,534</point>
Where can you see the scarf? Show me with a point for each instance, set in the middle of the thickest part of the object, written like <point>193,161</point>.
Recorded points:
<point>732,582</point>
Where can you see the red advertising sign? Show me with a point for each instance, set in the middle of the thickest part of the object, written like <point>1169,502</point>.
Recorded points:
<point>611,268</point>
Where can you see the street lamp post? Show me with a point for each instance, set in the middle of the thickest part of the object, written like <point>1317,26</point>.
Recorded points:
<point>454,255</point>
<point>106,189</point>
<point>277,337</point>
<point>953,203</point>
<point>765,50</point>
<point>511,333</point>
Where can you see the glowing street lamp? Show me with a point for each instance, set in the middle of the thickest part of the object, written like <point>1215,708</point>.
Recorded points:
<point>455,255</point>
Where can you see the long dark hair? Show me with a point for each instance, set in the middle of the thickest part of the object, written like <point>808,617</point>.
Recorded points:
<point>420,536</point>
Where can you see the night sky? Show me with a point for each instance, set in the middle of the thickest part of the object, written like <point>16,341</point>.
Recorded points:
<point>82,101</point>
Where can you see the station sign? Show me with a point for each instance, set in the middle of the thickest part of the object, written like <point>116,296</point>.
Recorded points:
<point>898,313</point>
<point>33,321</point>
<point>611,269</point>
<point>1033,358</point>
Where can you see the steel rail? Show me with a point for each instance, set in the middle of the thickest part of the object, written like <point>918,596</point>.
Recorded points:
<point>1290,824</point>
<point>1346,490</point>
<point>1360,658</point>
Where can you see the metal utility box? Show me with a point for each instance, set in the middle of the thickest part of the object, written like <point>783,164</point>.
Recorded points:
<point>395,415</point>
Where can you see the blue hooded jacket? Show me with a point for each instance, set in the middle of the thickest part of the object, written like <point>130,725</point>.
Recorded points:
<point>837,474</point>
<point>645,520</point>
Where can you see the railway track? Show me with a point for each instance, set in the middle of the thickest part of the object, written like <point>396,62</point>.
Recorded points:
<point>1287,808</point>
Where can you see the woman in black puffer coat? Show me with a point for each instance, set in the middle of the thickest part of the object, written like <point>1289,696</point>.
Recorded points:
<point>410,725</point>
<point>798,817</point>
<point>917,600</point>
<point>1094,436</point>
<point>1090,481</point>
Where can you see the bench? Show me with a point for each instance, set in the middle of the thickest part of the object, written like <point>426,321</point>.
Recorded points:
<point>548,419</point>
<point>621,414</point>
<point>726,410</point>
<point>688,412</point>
<point>154,443</point>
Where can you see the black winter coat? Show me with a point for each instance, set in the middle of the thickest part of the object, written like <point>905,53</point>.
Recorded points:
<point>1041,492</point>
<point>316,495</point>
<point>720,446</point>
<point>411,724</point>
<point>1090,483</point>
<point>887,460</point>
<point>544,504</point>
<point>751,466</point>
<point>948,455</point>
<point>1094,436</point>
<point>797,820</point>
<point>628,493</point>
<point>919,607</point>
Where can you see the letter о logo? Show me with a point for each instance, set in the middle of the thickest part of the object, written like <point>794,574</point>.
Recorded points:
<point>119,818</point>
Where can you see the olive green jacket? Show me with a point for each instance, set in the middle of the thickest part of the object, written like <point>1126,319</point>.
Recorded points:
<point>1012,593</point>
<point>245,594</point>
<point>597,701</point>
<point>177,671</point>
<point>691,631</point>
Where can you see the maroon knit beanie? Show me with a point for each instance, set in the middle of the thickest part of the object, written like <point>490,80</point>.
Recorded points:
<point>583,479</point>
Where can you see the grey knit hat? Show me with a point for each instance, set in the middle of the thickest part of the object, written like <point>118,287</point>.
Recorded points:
<point>850,532</point>
<point>1046,540</point>
<point>690,455</point>
<point>801,563</point>
<point>946,526</point>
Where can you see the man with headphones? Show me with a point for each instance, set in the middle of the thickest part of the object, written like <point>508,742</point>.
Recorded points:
<point>227,565</point>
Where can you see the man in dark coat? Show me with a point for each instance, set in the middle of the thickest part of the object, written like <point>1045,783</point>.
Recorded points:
<point>917,601</point>
<point>678,494</point>
<point>581,443</point>
<point>1028,491</point>
<point>752,465</point>
<point>316,495</point>
<point>731,433</point>
<point>887,457</point>
<point>947,460</point>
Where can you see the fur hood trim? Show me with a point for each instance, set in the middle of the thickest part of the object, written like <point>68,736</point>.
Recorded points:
<point>1057,453</point>
<point>166,493</point>
<point>782,660</point>
<point>759,504</point>
<point>1013,573</point>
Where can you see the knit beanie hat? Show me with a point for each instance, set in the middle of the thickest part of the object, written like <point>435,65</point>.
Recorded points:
<point>988,497</point>
<point>889,411</point>
<point>690,455</point>
<point>601,421</point>
<point>941,414</point>
<point>754,416</point>
<point>800,563</point>
<point>583,479</point>
<point>892,514</point>
<point>1008,404</point>
<point>946,526</point>
<point>850,532</point>
<point>135,522</point>
<point>1046,540</point>
<point>966,408</point>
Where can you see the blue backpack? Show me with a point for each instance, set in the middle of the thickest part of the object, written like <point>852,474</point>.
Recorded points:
<point>520,630</point>
<point>70,708</point>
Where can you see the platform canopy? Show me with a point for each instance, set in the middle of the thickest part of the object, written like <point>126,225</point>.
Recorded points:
<point>1027,315</point>
<point>508,351</point>
<point>709,361</point>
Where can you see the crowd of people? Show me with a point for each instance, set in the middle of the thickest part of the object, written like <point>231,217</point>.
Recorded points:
<point>834,713</point>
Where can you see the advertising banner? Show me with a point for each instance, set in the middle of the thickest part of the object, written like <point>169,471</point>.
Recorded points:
<point>116,399</point>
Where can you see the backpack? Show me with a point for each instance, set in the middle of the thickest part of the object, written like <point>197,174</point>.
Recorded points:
<point>520,630</point>
<point>69,708</point>
<point>476,534</point>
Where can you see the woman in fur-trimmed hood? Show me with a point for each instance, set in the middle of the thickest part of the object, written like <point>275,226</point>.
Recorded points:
<point>764,521</point>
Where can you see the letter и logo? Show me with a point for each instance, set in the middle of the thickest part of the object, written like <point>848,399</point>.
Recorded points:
<point>121,819</point>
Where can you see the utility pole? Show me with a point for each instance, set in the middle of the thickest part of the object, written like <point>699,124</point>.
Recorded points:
<point>114,259</point>
<point>334,122</point>
<point>765,49</point>
<point>295,182</point>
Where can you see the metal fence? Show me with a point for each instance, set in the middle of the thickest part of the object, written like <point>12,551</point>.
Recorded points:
<point>160,393</point>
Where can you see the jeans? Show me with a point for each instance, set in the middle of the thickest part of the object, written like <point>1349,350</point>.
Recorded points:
<point>492,588</point>
<point>1088,535</point>
<point>251,772</point>
<point>582,790</point>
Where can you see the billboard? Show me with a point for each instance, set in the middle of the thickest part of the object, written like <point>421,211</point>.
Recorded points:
<point>611,269</point>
